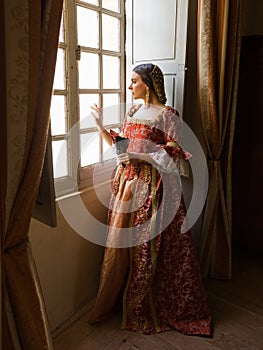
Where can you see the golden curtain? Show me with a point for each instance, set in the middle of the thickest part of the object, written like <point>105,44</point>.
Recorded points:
<point>29,39</point>
<point>219,35</point>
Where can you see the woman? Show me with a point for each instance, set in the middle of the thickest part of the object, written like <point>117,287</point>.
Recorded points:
<point>149,260</point>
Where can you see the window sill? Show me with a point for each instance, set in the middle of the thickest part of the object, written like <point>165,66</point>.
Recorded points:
<point>90,178</point>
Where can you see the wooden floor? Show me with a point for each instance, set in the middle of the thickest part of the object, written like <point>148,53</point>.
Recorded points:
<point>236,307</point>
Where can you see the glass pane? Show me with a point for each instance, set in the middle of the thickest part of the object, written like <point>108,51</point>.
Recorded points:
<point>111,109</point>
<point>108,151</point>
<point>89,71</point>
<point>60,158</point>
<point>61,30</point>
<point>113,5</point>
<point>85,101</point>
<point>110,100</point>
<point>90,148</point>
<point>111,72</point>
<point>59,78</point>
<point>88,27</point>
<point>110,33</point>
<point>58,115</point>
<point>93,2</point>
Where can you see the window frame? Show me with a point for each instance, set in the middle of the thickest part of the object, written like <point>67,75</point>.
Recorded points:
<point>79,177</point>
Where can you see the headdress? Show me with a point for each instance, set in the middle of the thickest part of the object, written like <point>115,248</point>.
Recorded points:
<point>158,84</point>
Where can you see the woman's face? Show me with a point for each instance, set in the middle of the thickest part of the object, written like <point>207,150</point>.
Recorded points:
<point>137,86</point>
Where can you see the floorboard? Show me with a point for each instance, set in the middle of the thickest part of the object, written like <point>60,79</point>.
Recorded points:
<point>236,307</point>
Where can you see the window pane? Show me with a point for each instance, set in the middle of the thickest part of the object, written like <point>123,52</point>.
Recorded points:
<point>110,100</point>
<point>108,151</point>
<point>113,5</point>
<point>59,78</point>
<point>111,72</point>
<point>58,115</point>
<point>111,109</point>
<point>89,71</point>
<point>93,2</point>
<point>88,27</point>
<point>110,33</point>
<point>85,101</point>
<point>90,148</point>
<point>60,158</point>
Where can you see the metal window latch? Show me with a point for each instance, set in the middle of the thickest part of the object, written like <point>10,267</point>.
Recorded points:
<point>182,67</point>
<point>78,53</point>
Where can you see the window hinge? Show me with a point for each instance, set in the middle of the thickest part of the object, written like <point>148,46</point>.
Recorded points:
<point>78,53</point>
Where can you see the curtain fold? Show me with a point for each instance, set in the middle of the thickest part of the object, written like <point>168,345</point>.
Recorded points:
<point>219,41</point>
<point>30,31</point>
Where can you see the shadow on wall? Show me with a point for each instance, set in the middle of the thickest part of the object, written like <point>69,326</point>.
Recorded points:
<point>68,264</point>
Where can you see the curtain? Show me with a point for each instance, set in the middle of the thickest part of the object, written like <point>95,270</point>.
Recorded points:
<point>219,33</point>
<point>29,38</point>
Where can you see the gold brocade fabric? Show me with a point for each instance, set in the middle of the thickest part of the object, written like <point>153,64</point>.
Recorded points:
<point>218,70</point>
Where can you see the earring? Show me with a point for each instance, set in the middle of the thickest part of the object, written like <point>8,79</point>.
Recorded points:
<point>147,96</point>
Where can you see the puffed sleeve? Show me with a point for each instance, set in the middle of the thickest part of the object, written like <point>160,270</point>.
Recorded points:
<point>113,135</point>
<point>177,159</point>
<point>172,134</point>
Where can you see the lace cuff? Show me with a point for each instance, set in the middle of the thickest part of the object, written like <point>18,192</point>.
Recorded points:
<point>170,164</point>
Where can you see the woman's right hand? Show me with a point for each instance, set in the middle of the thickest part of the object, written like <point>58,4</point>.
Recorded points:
<point>97,115</point>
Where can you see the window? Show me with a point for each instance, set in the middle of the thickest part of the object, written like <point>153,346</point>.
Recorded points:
<point>89,69</point>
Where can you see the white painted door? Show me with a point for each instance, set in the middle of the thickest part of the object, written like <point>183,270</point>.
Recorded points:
<point>156,31</point>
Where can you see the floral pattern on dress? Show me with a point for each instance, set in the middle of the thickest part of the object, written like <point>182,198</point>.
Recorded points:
<point>163,285</point>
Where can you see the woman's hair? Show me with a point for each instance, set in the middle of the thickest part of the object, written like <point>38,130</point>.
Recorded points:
<point>152,76</point>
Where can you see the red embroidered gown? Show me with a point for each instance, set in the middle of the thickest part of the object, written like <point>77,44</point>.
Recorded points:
<point>154,267</point>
